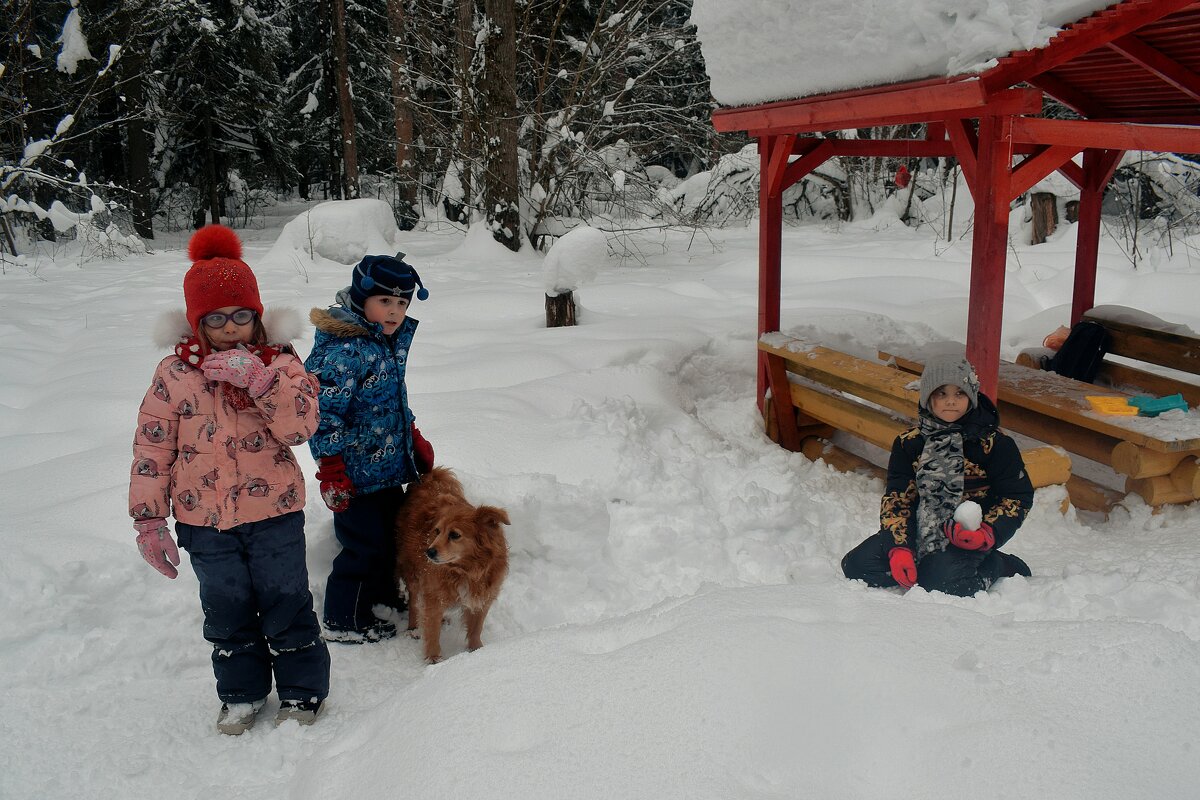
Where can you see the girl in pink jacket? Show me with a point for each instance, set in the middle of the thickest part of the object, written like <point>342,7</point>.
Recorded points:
<point>213,448</point>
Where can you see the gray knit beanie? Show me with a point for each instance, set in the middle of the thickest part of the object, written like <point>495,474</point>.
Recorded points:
<point>951,370</point>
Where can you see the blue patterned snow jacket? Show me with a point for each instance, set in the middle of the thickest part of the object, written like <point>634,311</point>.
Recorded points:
<point>364,402</point>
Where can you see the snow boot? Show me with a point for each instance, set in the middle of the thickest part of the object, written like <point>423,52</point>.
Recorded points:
<point>381,630</point>
<point>303,711</point>
<point>237,718</point>
<point>1013,566</point>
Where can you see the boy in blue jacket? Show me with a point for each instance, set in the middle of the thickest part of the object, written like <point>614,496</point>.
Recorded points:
<point>367,444</point>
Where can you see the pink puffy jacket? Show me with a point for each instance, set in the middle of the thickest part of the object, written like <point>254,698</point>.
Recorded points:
<point>197,456</point>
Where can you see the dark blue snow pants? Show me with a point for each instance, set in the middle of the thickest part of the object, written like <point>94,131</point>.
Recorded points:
<point>953,570</point>
<point>364,572</point>
<point>258,610</point>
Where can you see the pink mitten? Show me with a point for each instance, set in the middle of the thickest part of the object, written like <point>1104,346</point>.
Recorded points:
<point>156,545</point>
<point>239,368</point>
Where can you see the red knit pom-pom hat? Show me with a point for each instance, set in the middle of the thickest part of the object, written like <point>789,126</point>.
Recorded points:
<point>218,277</point>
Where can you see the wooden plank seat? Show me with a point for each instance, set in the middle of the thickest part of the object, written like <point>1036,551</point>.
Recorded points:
<point>832,389</point>
<point>1141,337</point>
<point>1156,456</point>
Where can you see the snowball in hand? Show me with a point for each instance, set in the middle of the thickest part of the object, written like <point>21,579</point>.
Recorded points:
<point>574,259</point>
<point>969,515</point>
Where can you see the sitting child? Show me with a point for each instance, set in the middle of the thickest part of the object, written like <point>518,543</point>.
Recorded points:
<point>954,454</point>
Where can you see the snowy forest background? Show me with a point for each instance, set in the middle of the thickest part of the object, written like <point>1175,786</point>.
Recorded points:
<point>122,118</point>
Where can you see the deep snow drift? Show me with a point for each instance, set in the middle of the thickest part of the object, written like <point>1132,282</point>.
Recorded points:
<point>675,624</point>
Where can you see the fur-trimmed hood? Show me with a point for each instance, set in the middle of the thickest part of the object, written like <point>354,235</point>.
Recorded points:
<point>282,324</point>
<point>339,322</point>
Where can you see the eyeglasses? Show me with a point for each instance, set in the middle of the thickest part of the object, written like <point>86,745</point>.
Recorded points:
<point>243,316</point>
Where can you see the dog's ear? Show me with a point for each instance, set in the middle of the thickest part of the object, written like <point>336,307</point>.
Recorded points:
<point>493,516</point>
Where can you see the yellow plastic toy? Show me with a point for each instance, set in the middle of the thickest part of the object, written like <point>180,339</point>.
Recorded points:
<point>1118,406</point>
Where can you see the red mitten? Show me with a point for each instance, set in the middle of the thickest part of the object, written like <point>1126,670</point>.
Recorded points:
<point>239,368</point>
<point>336,488</point>
<point>422,451</point>
<point>903,566</point>
<point>966,539</point>
<point>156,545</point>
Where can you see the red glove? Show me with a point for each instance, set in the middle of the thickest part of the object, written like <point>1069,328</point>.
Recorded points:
<point>967,539</point>
<point>336,488</point>
<point>422,451</point>
<point>903,566</point>
<point>156,545</point>
<point>239,368</point>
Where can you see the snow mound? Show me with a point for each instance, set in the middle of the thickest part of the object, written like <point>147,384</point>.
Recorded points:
<point>340,230</point>
<point>575,259</point>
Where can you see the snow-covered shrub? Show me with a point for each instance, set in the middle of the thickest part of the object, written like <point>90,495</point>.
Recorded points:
<point>342,231</point>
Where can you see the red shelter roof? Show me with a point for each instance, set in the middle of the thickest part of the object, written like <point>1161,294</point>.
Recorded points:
<point>1132,73</point>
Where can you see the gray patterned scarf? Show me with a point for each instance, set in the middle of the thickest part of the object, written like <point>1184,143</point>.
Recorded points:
<point>939,481</point>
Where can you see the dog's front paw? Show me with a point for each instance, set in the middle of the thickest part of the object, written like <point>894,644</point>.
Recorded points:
<point>412,633</point>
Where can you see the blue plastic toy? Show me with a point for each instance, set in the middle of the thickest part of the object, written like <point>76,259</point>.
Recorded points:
<point>1153,406</point>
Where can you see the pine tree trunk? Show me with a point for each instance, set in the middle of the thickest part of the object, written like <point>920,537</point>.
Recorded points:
<point>406,186</point>
<point>560,310</point>
<point>139,148</point>
<point>466,150</point>
<point>345,101</point>
<point>500,179</point>
<point>1045,215</point>
<point>210,174</point>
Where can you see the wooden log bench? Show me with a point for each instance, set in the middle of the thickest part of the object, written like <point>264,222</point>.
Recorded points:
<point>1158,458</point>
<point>826,390</point>
<point>1141,337</point>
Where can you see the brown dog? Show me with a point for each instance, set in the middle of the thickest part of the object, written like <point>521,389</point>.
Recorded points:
<point>448,553</point>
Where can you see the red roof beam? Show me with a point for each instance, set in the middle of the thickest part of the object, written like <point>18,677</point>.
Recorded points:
<point>1120,19</point>
<point>812,158</point>
<point>906,148</point>
<point>921,104</point>
<point>1158,63</point>
<point>966,146</point>
<point>1038,166</point>
<point>1071,96</point>
<point>1106,135</point>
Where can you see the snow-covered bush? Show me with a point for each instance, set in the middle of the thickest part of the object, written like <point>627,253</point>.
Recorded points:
<point>338,231</point>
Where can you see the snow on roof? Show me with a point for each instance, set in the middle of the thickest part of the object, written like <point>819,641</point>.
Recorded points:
<point>757,51</point>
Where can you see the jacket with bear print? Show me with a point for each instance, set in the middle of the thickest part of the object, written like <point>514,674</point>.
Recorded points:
<point>213,462</point>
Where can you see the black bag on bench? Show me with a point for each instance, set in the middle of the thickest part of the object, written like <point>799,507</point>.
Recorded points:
<point>1082,353</point>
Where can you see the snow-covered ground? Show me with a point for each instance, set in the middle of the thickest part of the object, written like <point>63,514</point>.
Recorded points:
<point>675,624</point>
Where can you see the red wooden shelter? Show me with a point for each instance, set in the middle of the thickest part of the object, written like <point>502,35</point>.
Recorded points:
<point>1131,71</point>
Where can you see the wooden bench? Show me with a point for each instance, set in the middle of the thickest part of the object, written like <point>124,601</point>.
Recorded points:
<point>1153,342</point>
<point>874,402</point>
<point>1159,463</point>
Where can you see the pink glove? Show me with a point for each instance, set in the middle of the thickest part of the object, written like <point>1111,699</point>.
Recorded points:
<point>156,545</point>
<point>903,566</point>
<point>966,539</point>
<point>239,368</point>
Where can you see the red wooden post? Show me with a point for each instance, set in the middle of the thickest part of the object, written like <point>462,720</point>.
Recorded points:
<point>1098,166</point>
<point>770,250</point>
<point>989,248</point>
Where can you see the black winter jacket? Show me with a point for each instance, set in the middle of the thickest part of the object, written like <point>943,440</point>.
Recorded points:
<point>995,478</point>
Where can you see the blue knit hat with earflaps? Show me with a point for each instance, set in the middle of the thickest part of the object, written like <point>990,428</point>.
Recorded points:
<point>384,275</point>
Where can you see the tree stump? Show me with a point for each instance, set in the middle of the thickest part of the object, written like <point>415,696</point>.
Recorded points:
<point>560,310</point>
<point>1045,216</point>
